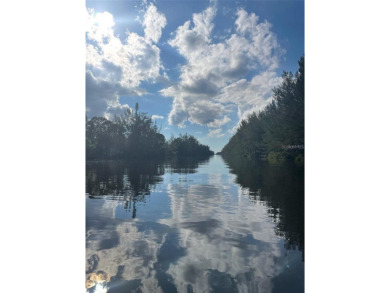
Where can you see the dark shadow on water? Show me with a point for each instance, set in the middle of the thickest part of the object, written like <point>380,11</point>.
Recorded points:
<point>109,242</point>
<point>291,279</point>
<point>169,253</point>
<point>281,188</point>
<point>202,227</point>
<point>222,282</point>
<point>137,177</point>
<point>119,178</point>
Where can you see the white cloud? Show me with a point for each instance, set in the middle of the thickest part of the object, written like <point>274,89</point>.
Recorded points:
<point>102,97</point>
<point>215,80</point>
<point>251,95</point>
<point>216,133</point>
<point>99,26</point>
<point>153,22</point>
<point>118,67</point>
<point>263,41</point>
<point>157,117</point>
<point>191,41</point>
<point>219,122</point>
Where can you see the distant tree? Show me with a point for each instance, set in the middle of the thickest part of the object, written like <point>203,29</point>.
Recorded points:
<point>186,145</point>
<point>134,135</point>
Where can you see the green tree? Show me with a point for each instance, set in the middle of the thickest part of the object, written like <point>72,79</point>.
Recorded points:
<point>130,135</point>
<point>186,145</point>
<point>281,123</point>
<point>134,135</point>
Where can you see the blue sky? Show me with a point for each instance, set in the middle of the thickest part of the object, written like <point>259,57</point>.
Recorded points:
<point>199,67</point>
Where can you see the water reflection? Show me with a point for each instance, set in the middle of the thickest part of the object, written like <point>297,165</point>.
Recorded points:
<point>190,228</point>
<point>122,178</point>
<point>126,183</point>
<point>215,225</point>
<point>185,165</point>
<point>282,189</point>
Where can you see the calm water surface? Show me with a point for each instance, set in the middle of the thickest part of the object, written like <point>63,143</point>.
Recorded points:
<point>194,226</point>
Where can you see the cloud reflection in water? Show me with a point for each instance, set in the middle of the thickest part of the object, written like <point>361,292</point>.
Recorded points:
<point>210,238</point>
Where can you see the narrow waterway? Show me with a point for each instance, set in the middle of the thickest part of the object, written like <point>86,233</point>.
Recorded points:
<point>194,226</point>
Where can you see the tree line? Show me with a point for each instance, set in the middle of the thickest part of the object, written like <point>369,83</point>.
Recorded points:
<point>135,135</point>
<point>277,132</point>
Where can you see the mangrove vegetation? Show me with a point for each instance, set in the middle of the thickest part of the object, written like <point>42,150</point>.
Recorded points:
<point>277,132</point>
<point>134,135</point>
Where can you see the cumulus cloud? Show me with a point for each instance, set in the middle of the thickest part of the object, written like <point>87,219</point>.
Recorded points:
<point>191,41</point>
<point>219,122</point>
<point>235,74</point>
<point>157,117</point>
<point>116,67</point>
<point>153,22</point>
<point>216,133</point>
<point>253,95</point>
<point>102,97</point>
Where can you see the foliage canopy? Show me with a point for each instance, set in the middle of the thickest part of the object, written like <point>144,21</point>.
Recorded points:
<point>279,128</point>
<point>135,135</point>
